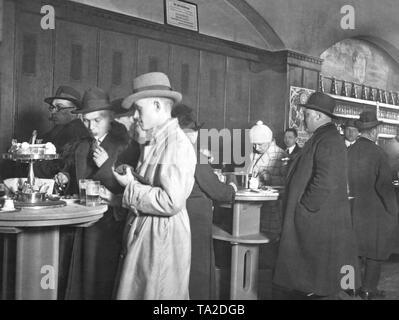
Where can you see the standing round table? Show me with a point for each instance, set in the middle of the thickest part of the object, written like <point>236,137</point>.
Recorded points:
<point>37,246</point>
<point>245,239</point>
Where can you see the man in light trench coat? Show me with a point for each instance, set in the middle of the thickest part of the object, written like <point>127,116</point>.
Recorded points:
<point>155,262</point>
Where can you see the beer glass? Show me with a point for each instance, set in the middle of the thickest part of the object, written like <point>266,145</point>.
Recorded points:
<point>92,193</point>
<point>82,189</point>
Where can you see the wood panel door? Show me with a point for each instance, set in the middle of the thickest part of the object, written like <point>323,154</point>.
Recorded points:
<point>212,90</point>
<point>118,56</point>
<point>152,56</point>
<point>34,75</point>
<point>75,56</point>
<point>184,74</point>
<point>237,94</point>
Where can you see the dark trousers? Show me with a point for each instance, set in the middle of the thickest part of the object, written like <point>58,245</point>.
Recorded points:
<point>371,274</point>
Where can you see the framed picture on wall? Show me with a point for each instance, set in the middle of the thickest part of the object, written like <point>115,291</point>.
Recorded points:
<point>295,119</point>
<point>182,14</point>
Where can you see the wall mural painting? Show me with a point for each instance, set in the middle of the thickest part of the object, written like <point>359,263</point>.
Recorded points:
<point>361,62</point>
<point>296,119</point>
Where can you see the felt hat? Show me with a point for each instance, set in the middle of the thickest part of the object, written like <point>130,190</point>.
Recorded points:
<point>321,102</point>
<point>148,85</point>
<point>367,120</point>
<point>94,99</point>
<point>65,93</point>
<point>350,123</point>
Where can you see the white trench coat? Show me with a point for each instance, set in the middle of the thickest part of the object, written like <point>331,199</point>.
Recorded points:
<point>157,255</point>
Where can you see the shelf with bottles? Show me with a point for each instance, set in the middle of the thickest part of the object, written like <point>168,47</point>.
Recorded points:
<point>387,131</point>
<point>347,111</point>
<point>359,93</point>
<point>387,115</point>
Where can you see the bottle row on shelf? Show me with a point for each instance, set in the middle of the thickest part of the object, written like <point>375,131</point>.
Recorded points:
<point>358,91</point>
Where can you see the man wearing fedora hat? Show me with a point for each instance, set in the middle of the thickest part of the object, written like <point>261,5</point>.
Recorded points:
<point>374,206</point>
<point>155,261</point>
<point>96,248</point>
<point>351,132</point>
<point>66,131</point>
<point>317,239</point>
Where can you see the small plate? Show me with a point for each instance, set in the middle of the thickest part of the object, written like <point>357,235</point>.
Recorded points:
<point>70,200</point>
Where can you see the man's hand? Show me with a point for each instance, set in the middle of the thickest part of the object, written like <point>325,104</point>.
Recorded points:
<point>123,179</point>
<point>61,179</point>
<point>100,156</point>
<point>106,194</point>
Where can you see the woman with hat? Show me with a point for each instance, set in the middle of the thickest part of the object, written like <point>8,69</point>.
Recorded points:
<point>374,210</point>
<point>207,188</point>
<point>267,169</point>
<point>96,248</point>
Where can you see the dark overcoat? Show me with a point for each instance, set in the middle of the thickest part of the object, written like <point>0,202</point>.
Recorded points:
<point>65,138</point>
<point>207,188</point>
<point>317,239</point>
<point>96,249</point>
<point>374,207</point>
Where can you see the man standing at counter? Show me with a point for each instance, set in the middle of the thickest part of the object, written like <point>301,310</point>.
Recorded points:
<point>317,239</point>
<point>156,259</point>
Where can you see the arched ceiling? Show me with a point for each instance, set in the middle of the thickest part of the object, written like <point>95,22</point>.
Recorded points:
<point>308,26</point>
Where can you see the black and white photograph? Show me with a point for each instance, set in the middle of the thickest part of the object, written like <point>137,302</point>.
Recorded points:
<point>199,154</point>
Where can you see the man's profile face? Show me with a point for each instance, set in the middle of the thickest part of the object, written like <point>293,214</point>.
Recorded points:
<point>289,139</point>
<point>310,119</point>
<point>351,133</point>
<point>146,113</point>
<point>98,122</point>
<point>60,111</point>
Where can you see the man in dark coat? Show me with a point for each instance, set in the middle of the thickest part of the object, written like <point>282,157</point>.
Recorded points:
<point>317,242</point>
<point>374,206</point>
<point>207,188</point>
<point>67,130</point>
<point>96,249</point>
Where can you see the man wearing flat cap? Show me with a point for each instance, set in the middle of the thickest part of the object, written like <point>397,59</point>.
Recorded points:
<point>351,132</point>
<point>374,206</point>
<point>155,262</point>
<point>96,248</point>
<point>317,239</point>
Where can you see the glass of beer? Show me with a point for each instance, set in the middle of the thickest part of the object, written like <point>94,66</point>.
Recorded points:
<point>92,193</point>
<point>82,189</point>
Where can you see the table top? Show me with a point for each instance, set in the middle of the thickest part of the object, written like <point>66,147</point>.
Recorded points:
<point>71,214</point>
<point>261,195</point>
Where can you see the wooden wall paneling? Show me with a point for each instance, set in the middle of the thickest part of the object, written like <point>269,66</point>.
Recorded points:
<point>7,80</point>
<point>237,93</point>
<point>34,75</point>
<point>310,79</point>
<point>76,56</point>
<point>268,99</point>
<point>295,73</point>
<point>152,56</point>
<point>184,70</point>
<point>212,90</point>
<point>117,63</point>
